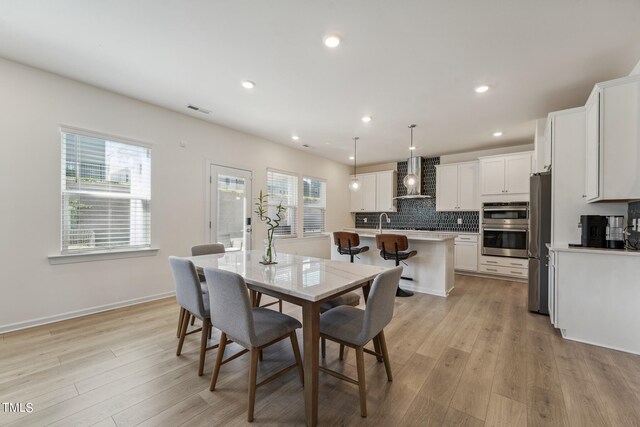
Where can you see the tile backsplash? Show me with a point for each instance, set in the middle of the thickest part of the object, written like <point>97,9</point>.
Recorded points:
<point>420,214</point>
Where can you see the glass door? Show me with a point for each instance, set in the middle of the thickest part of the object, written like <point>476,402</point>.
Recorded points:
<point>231,207</point>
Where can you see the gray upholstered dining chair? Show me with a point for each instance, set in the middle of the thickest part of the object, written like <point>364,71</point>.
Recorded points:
<point>351,299</point>
<point>205,249</point>
<point>192,303</point>
<point>252,328</point>
<point>354,328</point>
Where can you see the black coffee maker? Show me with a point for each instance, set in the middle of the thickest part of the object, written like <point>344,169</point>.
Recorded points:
<point>594,231</point>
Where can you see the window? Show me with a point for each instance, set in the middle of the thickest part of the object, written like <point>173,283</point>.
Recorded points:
<point>106,193</point>
<point>282,188</point>
<point>315,205</point>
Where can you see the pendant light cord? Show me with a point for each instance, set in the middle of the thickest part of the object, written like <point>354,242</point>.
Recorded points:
<point>411,149</point>
<point>355,156</point>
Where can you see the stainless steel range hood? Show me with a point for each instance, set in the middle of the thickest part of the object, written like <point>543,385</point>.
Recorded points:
<point>414,165</point>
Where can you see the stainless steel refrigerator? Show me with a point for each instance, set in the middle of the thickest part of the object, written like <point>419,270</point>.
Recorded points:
<point>539,236</point>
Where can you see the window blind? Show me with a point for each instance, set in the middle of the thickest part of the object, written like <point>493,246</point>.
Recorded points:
<point>315,205</point>
<point>106,194</point>
<point>283,188</point>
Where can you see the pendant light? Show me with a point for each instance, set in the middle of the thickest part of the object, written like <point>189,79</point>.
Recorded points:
<point>411,180</point>
<point>354,185</point>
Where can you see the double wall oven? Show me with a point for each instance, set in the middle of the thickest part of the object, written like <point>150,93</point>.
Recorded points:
<point>505,229</point>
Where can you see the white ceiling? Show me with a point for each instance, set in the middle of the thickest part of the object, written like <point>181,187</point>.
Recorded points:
<point>402,62</point>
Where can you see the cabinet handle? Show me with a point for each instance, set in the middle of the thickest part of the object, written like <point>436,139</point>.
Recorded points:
<point>516,272</point>
<point>584,196</point>
<point>492,262</point>
<point>516,264</point>
<point>491,269</point>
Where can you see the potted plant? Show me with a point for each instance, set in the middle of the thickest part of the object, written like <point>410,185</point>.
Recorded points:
<point>269,256</point>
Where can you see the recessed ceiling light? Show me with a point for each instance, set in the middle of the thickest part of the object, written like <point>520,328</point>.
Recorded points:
<point>412,148</point>
<point>295,137</point>
<point>482,88</point>
<point>496,134</point>
<point>248,84</point>
<point>351,157</point>
<point>366,119</point>
<point>332,41</point>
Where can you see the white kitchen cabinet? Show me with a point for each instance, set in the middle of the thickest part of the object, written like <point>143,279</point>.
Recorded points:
<point>386,184</point>
<point>505,175</point>
<point>594,296</point>
<point>466,250</point>
<point>457,187</point>
<point>567,178</point>
<point>504,266</point>
<point>376,193</point>
<point>446,187</point>
<point>541,163</point>
<point>613,141</point>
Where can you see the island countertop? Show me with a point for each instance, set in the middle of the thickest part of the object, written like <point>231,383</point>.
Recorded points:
<point>428,236</point>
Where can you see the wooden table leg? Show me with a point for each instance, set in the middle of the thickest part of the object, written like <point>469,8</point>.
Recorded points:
<point>311,338</point>
<point>365,290</point>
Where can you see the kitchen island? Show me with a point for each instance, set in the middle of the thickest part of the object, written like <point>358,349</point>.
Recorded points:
<point>432,269</point>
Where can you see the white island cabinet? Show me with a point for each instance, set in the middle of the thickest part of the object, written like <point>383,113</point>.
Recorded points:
<point>594,294</point>
<point>432,269</point>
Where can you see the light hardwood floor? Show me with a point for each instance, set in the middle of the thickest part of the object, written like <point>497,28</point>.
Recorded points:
<point>476,358</point>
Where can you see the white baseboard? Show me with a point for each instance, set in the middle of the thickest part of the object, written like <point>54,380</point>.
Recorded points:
<point>79,313</point>
<point>406,284</point>
<point>566,335</point>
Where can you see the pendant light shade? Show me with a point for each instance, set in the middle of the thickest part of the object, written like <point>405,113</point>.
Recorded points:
<point>411,180</point>
<point>354,185</point>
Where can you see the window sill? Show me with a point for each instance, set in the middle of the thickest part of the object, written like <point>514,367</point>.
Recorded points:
<point>101,256</point>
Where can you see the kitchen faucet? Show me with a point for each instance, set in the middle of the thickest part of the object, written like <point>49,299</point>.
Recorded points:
<point>380,222</point>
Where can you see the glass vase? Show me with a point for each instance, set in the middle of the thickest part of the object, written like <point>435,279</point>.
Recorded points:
<point>269,256</point>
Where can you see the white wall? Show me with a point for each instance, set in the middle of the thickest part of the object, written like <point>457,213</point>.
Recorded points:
<point>33,105</point>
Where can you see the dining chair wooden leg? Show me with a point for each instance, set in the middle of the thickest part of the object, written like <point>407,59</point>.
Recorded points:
<point>183,331</point>
<point>180,318</point>
<point>385,355</point>
<point>258,299</point>
<point>296,354</point>
<point>341,351</point>
<point>361,381</point>
<point>253,374</point>
<point>203,344</point>
<point>193,320</point>
<point>280,305</point>
<point>260,356</point>
<point>210,329</point>
<point>219,357</point>
<point>323,347</point>
<point>376,346</point>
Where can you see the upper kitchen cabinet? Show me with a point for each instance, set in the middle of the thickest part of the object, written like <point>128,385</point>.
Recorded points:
<point>613,141</point>
<point>376,193</point>
<point>506,175</point>
<point>457,187</point>
<point>541,154</point>
<point>386,186</point>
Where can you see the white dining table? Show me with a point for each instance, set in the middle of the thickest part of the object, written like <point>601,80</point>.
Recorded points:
<point>300,280</point>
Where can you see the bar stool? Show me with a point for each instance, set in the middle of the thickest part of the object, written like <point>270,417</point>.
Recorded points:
<point>347,243</point>
<point>391,247</point>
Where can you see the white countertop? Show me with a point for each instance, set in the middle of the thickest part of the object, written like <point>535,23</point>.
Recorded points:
<point>427,236</point>
<point>603,251</point>
<point>309,278</point>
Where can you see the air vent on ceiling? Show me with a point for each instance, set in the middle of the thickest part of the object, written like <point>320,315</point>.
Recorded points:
<point>198,109</point>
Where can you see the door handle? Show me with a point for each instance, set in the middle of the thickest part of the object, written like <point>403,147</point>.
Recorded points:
<point>248,229</point>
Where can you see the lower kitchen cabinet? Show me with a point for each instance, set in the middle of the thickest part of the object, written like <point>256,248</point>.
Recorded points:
<point>466,249</point>
<point>504,266</point>
<point>593,296</point>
